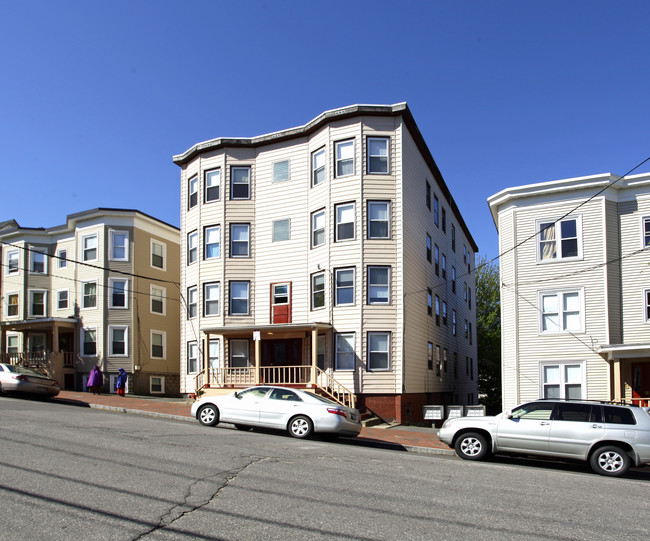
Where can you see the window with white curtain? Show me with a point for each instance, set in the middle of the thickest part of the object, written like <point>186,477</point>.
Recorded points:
<point>559,240</point>
<point>344,158</point>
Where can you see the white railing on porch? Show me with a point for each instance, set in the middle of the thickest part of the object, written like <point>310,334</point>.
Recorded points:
<point>276,375</point>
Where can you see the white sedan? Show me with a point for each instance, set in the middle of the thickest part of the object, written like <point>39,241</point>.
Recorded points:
<point>298,412</point>
<point>19,379</point>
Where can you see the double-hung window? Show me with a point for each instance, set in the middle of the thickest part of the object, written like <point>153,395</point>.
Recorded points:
<point>12,262</point>
<point>453,279</point>
<point>158,251</point>
<point>212,185</point>
<point>192,247</point>
<point>443,219</point>
<point>444,312</point>
<point>118,293</point>
<point>89,295</point>
<point>89,248</point>
<point>428,248</point>
<point>37,262</point>
<point>646,296</point>
<point>281,230</point>
<point>559,240</point>
<point>62,258</point>
<point>427,194</point>
<point>211,299</point>
<point>281,171</point>
<point>318,167</point>
<point>344,158</point>
<point>317,290</point>
<point>378,351</point>
<point>158,294</point>
<point>192,357</point>
<point>646,232</point>
<point>429,356</point>
<point>239,354</point>
<point>240,182</point>
<point>240,240</point>
<point>429,302</point>
<point>453,238</point>
<point>12,304</point>
<point>378,220</point>
<point>444,267</point>
<point>561,311</point>
<point>437,310</point>
<point>240,298</point>
<point>453,322</point>
<point>378,285</point>
<point>37,303</point>
<point>213,353</point>
<point>562,380</point>
<point>89,342</point>
<point>436,211</point>
<point>158,339</point>
<point>119,246</point>
<point>345,354</point>
<point>317,228</point>
<point>118,337</point>
<point>344,280</point>
<point>211,239</point>
<point>192,192</point>
<point>192,302</point>
<point>378,155</point>
<point>345,222</point>
<point>436,259</point>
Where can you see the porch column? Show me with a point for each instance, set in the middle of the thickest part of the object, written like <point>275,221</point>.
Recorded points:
<point>314,356</point>
<point>618,388</point>
<point>3,341</point>
<point>258,356</point>
<point>55,338</point>
<point>206,359</point>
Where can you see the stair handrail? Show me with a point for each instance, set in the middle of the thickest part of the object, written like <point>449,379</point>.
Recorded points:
<point>334,389</point>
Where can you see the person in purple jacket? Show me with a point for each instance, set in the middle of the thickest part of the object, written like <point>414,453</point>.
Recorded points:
<point>120,383</point>
<point>95,381</point>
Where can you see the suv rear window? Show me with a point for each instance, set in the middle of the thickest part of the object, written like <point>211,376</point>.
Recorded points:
<point>619,416</point>
<point>579,413</point>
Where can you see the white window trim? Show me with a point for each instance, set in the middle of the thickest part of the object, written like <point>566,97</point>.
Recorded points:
<point>388,368</point>
<point>337,223</point>
<point>82,307</point>
<point>162,385</point>
<point>380,138</point>
<point>31,302</point>
<point>247,350</point>
<point>9,293</point>
<point>312,291</point>
<point>190,236</point>
<point>218,363</point>
<point>9,254</point>
<point>560,293</point>
<point>315,153</point>
<point>111,329</point>
<point>32,254</point>
<point>248,241</point>
<point>314,215</point>
<point>644,220</point>
<point>206,174</point>
<point>17,337</point>
<point>206,229</point>
<point>111,249</point>
<point>164,300</point>
<point>189,303</point>
<point>558,239</point>
<point>288,170</point>
<point>164,344</point>
<point>62,260</point>
<point>164,254</point>
<point>273,239</point>
<point>190,344</point>
<point>336,159</point>
<point>249,183</point>
<point>645,303</point>
<point>83,334</point>
<point>192,180</point>
<point>58,291</point>
<point>354,286</point>
<point>205,299</point>
<point>248,298</point>
<point>336,352</point>
<point>369,221</point>
<point>111,281</point>
<point>388,285</point>
<point>83,247</point>
<point>562,365</point>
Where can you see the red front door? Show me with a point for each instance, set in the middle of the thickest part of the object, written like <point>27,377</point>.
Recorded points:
<point>281,303</point>
<point>641,383</point>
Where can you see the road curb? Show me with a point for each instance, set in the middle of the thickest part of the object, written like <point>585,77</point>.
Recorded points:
<point>360,441</point>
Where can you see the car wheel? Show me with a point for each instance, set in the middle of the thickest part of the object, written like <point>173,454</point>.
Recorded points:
<point>472,446</point>
<point>610,460</point>
<point>301,427</point>
<point>243,427</point>
<point>208,415</point>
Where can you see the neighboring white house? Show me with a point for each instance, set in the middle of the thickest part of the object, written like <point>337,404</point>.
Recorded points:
<point>330,256</point>
<point>575,288</point>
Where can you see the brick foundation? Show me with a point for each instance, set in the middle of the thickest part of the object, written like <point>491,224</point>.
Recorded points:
<point>402,408</point>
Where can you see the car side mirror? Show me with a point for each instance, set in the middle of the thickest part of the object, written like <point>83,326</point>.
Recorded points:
<point>509,414</point>
<point>235,394</point>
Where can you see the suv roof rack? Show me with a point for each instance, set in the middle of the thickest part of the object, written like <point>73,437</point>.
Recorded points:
<point>612,402</point>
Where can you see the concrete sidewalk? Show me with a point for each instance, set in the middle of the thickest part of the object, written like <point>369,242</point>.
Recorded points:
<point>414,439</point>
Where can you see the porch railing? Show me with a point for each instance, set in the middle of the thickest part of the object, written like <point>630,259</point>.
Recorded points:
<point>38,359</point>
<point>276,375</point>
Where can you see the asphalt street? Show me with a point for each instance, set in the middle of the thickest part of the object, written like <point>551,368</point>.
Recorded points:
<point>69,472</point>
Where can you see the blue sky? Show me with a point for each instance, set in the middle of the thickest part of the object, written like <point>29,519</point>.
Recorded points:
<point>96,97</point>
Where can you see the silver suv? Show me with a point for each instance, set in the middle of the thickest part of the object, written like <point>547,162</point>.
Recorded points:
<point>610,437</point>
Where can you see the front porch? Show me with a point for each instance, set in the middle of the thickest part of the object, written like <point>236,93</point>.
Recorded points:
<point>289,355</point>
<point>630,369</point>
<point>46,344</point>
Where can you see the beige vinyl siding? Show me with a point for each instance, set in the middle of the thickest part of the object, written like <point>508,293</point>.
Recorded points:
<point>613,273</point>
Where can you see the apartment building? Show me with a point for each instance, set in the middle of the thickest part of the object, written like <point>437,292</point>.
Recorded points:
<point>102,289</point>
<point>332,257</point>
<point>575,288</point>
